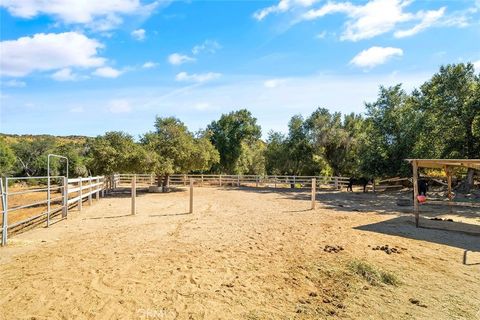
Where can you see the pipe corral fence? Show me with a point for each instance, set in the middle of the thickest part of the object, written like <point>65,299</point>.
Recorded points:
<point>28,202</point>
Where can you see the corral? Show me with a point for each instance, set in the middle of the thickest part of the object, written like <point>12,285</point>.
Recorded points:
<point>245,253</point>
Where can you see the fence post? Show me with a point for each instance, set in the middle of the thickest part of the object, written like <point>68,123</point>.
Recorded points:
<point>314,192</point>
<point>103,186</point>
<point>336,183</point>
<point>256,181</point>
<point>134,194</point>
<point>90,190</point>
<point>4,210</point>
<point>80,199</point>
<point>294,182</point>
<point>202,181</point>
<point>220,180</point>
<point>65,197</point>
<point>48,199</point>
<point>97,182</point>
<point>191,196</point>
<point>184,179</point>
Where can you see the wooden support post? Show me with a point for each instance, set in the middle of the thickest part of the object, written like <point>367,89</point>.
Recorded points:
<point>80,199</point>
<point>448,171</point>
<point>415,192</point>
<point>238,180</point>
<point>90,191</point>
<point>134,194</point>
<point>294,182</point>
<point>184,179</point>
<point>336,183</point>
<point>202,181</point>
<point>220,180</point>
<point>191,196</point>
<point>256,181</point>
<point>314,192</point>
<point>65,198</point>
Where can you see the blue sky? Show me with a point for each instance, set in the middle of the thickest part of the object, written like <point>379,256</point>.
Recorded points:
<point>87,67</point>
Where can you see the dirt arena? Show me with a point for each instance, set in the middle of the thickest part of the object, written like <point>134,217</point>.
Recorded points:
<point>243,254</point>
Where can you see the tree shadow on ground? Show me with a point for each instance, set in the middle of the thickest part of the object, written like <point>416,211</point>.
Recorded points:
<point>452,233</point>
<point>380,202</point>
<point>170,214</point>
<point>455,234</point>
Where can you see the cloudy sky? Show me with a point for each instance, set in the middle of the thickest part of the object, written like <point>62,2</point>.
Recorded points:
<point>88,66</point>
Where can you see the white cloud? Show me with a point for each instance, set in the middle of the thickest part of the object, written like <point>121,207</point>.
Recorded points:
<point>44,52</point>
<point>14,83</point>
<point>100,15</point>
<point>201,77</point>
<point>138,34</point>
<point>177,59</point>
<point>375,56</point>
<point>428,19</point>
<point>282,6</point>
<point>65,74</point>
<point>209,46</point>
<point>149,65</point>
<point>370,19</point>
<point>476,65</point>
<point>119,106</point>
<point>107,72</point>
<point>273,83</point>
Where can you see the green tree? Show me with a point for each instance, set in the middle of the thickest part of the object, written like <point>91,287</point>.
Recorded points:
<point>7,159</point>
<point>392,130</point>
<point>76,159</point>
<point>228,135</point>
<point>252,159</point>
<point>335,140</point>
<point>178,150</point>
<point>451,102</point>
<point>117,152</point>
<point>32,155</point>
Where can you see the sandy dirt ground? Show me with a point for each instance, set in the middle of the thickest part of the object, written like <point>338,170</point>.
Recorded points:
<point>243,254</point>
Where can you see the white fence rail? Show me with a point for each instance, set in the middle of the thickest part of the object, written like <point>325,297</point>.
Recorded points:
<point>39,204</point>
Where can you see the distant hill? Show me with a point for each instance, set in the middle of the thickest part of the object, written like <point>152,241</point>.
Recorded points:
<point>13,138</point>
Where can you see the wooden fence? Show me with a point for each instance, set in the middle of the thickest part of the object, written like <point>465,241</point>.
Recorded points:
<point>31,201</point>
<point>211,180</point>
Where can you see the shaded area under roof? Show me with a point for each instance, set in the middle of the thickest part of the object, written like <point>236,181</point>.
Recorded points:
<point>442,163</point>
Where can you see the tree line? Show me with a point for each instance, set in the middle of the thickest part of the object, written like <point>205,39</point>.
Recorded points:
<point>440,119</point>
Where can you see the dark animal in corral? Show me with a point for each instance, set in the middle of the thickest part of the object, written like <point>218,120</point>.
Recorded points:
<point>422,187</point>
<point>359,181</point>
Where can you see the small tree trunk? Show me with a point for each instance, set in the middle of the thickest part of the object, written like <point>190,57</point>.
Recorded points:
<point>166,183</point>
<point>159,181</point>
